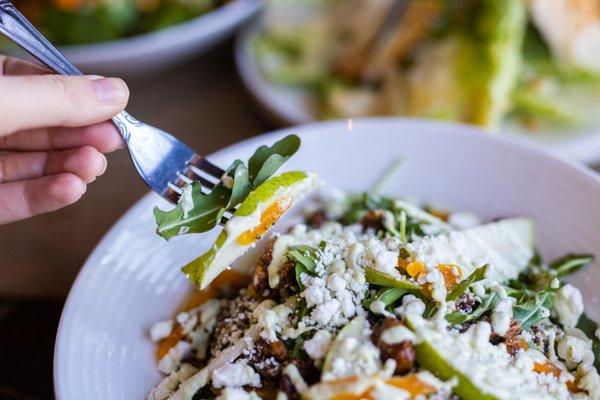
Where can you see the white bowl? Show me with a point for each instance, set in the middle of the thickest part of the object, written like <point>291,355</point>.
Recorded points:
<point>132,278</point>
<point>291,106</point>
<point>155,51</point>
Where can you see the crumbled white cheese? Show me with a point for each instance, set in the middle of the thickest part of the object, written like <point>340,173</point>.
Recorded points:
<point>502,315</point>
<point>568,304</point>
<point>575,348</point>
<point>272,321</point>
<point>171,361</point>
<point>478,289</point>
<point>314,295</point>
<point>398,334</point>
<point>356,357</point>
<point>589,380</point>
<point>317,346</point>
<point>236,374</point>
<point>161,330</point>
<point>411,305</point>
<point>324,313</point>
<point>336,283</point>
<point>227,181</point>
<point>186,201</point>
<point>378,307</point>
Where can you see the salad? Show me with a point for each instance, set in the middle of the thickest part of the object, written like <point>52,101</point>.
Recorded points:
<point>367,297</point>
<point>69,22</point>
<point>532,64</point>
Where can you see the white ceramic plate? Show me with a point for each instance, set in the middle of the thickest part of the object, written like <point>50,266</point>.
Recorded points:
<point>289,106</point>
<point>132,278</point>
<point>154,51</point>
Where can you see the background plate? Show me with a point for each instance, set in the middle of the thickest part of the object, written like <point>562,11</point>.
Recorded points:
<point>291,106</point>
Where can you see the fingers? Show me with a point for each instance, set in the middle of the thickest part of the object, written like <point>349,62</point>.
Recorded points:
<point>85,162</point>
<point>38,101</point>
<point>103,137</point>
<point>24,199</point>
<point>15,66</point>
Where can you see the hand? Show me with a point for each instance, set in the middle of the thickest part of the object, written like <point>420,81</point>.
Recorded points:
<point>53,132</point>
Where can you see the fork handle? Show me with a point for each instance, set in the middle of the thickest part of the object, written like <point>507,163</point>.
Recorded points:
<point>16,27</point>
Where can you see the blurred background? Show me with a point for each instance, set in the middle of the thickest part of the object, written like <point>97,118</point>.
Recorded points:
<point>514,67</point>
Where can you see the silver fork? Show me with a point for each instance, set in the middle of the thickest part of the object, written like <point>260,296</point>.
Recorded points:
<point>164,163</point>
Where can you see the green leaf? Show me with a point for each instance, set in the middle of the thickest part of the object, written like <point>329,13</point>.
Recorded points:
<point>206,213</point>
<point>386,295</point>
<point>571,263</point>
<point>299,269</point>
<point>266,160</point>
<point>375,277</point>
<point>477,275</point>
<point>241,184</point>
<point>208,209</point>
<point>590,327</point>
<point>305,255</point>
<point>488,303</point>
<point>532,310</point>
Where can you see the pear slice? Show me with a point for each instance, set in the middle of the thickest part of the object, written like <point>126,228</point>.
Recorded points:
<point>256,214</point>
<point>507,245</point>
<point>484,371</point>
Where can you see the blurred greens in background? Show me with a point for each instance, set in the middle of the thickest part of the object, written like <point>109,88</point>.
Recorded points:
<point>534,62</point>
<point>67,22</point>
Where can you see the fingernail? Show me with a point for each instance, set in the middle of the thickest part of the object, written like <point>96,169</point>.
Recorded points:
<point>110,90</point>
<point>105,164</point>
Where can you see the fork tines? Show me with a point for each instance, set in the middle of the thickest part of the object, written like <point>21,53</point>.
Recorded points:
<point>199,169</point>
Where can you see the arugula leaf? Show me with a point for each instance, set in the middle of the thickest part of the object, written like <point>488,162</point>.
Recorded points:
<point>589,327</point>
<point>208,208</point>
<point>477,275</point>
<point>305,255</point>
<point>266,160</point>
<point>532,310</point>
<point>387,295</point>
<point>488,303</point>
<point>298,270</point>
<point>241,184</point>
<point>570,263</point>
<point>206,213</point>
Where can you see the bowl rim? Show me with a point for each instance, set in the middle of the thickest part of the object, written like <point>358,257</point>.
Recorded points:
<point>469,132</point>
<point>585,148</point>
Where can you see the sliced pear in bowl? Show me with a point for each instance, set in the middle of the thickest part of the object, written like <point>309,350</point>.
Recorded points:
<point>263,207</point>
<point>507,245</point>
